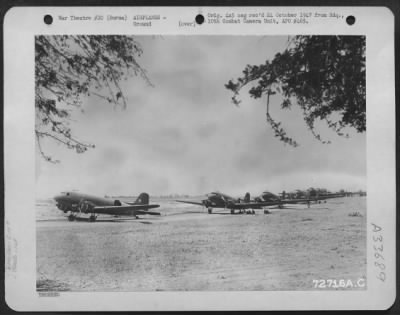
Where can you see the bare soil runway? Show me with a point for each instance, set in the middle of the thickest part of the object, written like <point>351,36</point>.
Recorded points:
<point>188,249</point>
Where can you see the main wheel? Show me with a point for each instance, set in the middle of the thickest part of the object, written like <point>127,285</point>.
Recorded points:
<point>92,218</point>
<point>71,217</point>
<point>232,211</point>
<point>209,210</point>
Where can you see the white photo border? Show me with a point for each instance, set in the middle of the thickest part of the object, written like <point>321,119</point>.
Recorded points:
<point>21,24</point>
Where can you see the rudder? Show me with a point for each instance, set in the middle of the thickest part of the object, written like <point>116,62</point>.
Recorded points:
<point>143,199</point>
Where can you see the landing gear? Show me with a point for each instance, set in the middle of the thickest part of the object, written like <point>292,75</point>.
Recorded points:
<point>232,211</point>
<point>209,210</point>
<point>71,217</point>
<point>92,218</point>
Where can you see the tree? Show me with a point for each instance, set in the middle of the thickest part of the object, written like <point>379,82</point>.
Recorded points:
<point>323,75</point>
<point>69,67</point>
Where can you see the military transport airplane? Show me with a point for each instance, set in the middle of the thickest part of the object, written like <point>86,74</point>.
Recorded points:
<point>281,200</point>
<point>220,200</point>
<point>77,204</point>
<point>312,194</point>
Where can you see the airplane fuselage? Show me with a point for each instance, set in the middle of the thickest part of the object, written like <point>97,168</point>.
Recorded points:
<point>70,201</point>
<point>220,200</point>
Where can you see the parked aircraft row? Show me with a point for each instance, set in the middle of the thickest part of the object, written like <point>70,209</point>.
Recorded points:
<point>76,204</point>
<point>220,200</point>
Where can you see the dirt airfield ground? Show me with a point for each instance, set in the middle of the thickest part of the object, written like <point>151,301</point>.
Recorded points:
<point>188,249</point>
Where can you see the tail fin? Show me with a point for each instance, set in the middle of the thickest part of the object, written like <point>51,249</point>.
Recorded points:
<point>247,197</point>
<point>143,199</point>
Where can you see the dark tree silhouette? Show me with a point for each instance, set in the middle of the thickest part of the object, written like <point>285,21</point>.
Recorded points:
<point>323,75</point>
<point>69,67</point>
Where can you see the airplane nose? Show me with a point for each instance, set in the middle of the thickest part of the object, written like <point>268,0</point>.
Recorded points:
<point>57,198</point>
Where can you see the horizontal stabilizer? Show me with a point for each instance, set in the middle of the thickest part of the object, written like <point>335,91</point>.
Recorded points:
<point>191,202</point>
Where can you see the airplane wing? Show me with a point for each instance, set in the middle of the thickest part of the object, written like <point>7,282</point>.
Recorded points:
<point>253,205</point>
<point>324,197</point>
<point>191,202</point>
<point>294,201</point>
<point>128,210</point>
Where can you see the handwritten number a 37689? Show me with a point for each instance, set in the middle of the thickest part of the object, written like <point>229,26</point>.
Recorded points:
<point>379,261</point>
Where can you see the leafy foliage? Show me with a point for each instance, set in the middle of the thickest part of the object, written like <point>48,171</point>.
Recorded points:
<point>323,75</point>
<point>69,67</point>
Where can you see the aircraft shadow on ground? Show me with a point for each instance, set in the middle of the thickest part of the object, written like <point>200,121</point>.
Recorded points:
<point>184,212</point>
<point>236,213</point>
<point>115,220</point>
<point>293,208</point>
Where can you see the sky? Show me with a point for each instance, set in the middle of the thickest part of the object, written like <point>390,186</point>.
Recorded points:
<point>183,135</point>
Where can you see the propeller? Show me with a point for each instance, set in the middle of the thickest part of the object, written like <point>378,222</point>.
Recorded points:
<point>206,203</point>
<point>229,204</point>
<point>84,206</point>
<point>224,200</point>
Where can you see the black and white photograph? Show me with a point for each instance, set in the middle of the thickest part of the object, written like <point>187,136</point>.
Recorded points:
<point>199,159</point>
<point>168,163</point>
